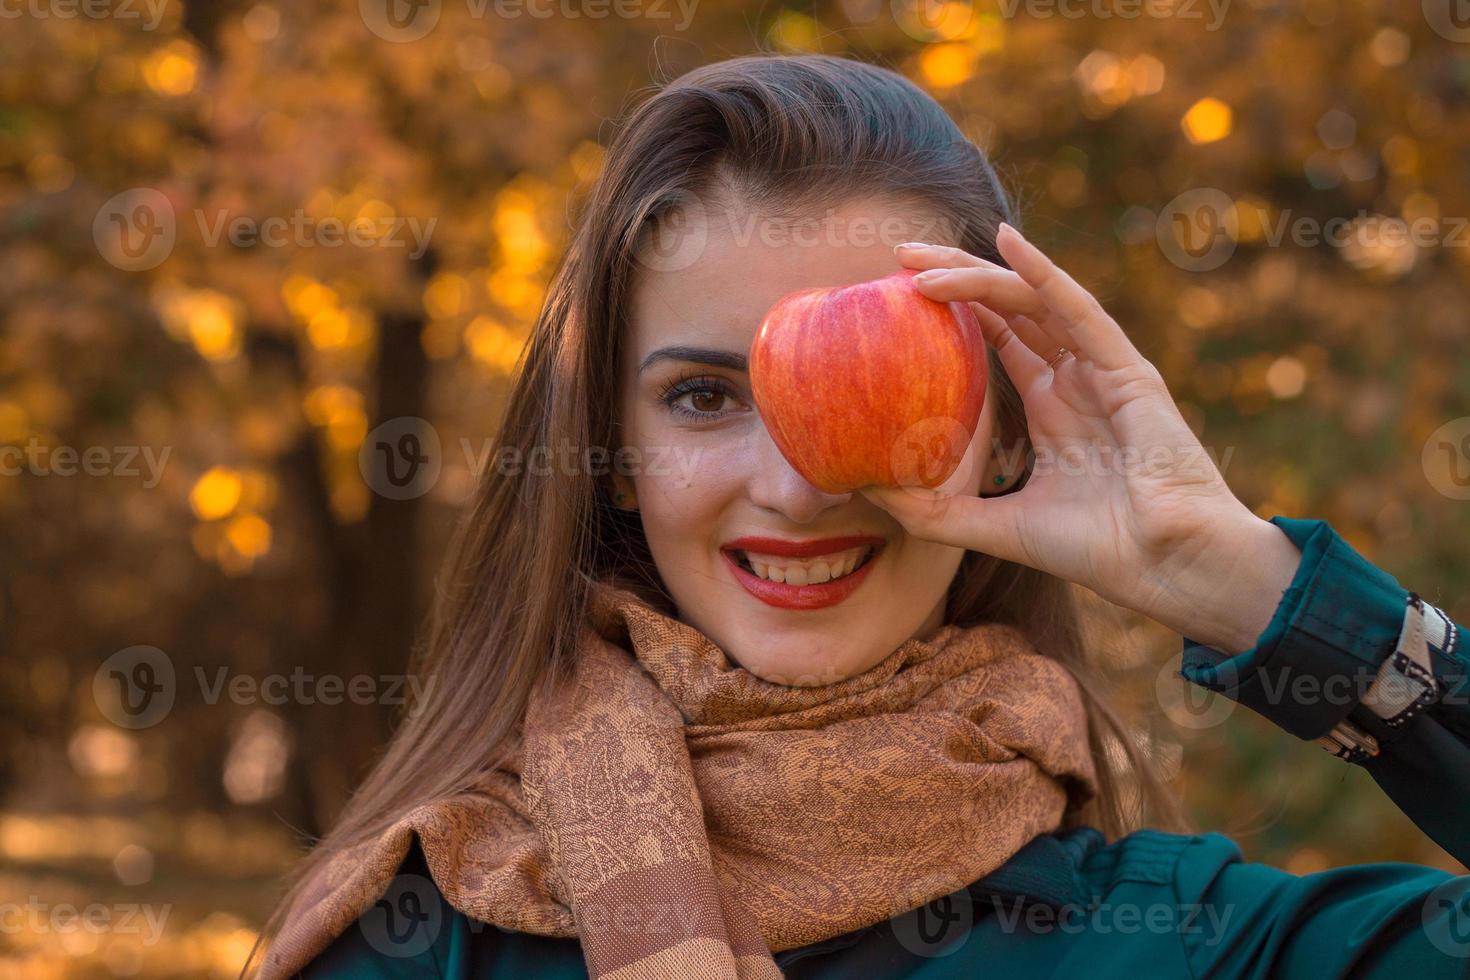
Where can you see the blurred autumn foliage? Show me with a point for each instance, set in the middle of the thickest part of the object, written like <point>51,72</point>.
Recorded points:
<point>212,387</point>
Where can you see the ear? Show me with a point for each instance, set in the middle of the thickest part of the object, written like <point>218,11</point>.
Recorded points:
<point>1006,465</point>
<point>621,491</point>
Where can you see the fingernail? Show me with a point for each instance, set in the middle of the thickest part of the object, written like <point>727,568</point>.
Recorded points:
<point>912,245</point>
<point>1006,226</point>
<point>932,275</point>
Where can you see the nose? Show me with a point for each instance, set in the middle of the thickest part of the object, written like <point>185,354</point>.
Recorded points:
<point>777,487</point>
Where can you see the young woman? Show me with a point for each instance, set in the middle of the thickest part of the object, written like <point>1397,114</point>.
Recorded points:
<point>693,717</point>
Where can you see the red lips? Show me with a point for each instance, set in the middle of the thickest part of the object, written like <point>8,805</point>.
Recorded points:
<point>803,549</point>
<point>785,596</point>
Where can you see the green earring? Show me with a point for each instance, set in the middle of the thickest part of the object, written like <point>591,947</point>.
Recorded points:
<point>999,480</point>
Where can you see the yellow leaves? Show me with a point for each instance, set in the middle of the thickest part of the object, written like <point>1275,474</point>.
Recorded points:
<point>1207,121</point>
<point>50,173</point>
<point>1386,248</point>
<point>1108,81</point>
<point>793,31</point>
<point>304,296</point>
<point>953,20</point>
<point>512,290</point>
<point>216,493</point>
<point>213,331</point>
<point>445,295</point>
<point>14,422</point>
<point>1286,377</point>
<point>338,409</point>
<point>1401,155</point>
<point>330,325</point>
<point>228,502</point>
<point>492,344</point>
<point>1389,47</point>
<point>947,65</point>
<point>172,69</point>
<point>522,245</point>
<point>249,535</point>
<point>205,318</point>
<point>586,160</point>
<point>332,328</point>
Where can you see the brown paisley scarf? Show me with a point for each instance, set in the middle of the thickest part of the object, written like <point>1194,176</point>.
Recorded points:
<point>683,817</point>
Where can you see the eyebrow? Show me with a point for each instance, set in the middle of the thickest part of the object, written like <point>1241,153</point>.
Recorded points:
<point>701,355</point>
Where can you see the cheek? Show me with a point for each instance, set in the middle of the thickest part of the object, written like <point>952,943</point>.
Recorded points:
<point>686,484</point>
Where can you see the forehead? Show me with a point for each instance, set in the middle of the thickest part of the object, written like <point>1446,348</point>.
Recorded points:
<point>742,262</point>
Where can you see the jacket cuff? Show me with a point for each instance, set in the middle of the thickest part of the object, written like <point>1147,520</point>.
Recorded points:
<point>1336,624</point>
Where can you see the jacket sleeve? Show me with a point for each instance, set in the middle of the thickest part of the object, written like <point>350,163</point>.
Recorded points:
<point>1372,921</point>
<point>1372,672</point>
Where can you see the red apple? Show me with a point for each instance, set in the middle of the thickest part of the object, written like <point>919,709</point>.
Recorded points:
<point>873,383</point>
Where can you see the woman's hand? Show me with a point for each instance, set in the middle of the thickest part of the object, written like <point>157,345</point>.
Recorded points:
<point>1123,498</point>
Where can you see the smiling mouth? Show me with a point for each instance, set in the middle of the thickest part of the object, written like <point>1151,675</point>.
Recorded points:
<point>808,571</point>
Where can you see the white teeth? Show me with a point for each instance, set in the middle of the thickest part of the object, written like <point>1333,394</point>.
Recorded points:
<point>809,572</point>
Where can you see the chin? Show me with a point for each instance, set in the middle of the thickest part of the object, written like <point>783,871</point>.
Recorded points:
<point>806,668</point>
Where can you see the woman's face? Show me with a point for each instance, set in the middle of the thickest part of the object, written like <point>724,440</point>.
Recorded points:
<point>707,472</point>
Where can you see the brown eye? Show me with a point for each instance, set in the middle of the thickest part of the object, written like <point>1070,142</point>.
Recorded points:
<point>700,399</point>
<point>707,400</point>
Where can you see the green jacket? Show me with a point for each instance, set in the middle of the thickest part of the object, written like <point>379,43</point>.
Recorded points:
<point>1150,904</point>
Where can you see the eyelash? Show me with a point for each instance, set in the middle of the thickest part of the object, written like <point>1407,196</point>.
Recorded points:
<point>687,384</point>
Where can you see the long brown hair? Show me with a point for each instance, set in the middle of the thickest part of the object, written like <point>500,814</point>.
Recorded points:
<point>778,130</point>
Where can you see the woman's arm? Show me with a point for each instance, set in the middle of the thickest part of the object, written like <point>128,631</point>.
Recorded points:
<point>1282,616</point>
<point>1374,673</point>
